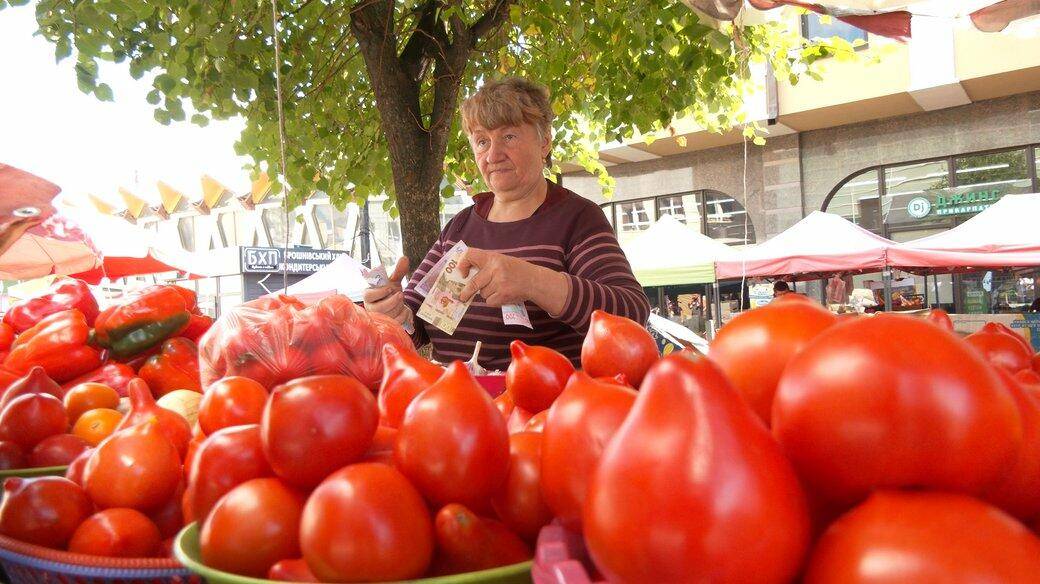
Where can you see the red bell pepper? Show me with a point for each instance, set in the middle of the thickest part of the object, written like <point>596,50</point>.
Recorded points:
<point>58,343</point>
<point>176,367</point>
<point>63,295</point>
<point>115,375</point>
<point>6,336</point>
<point>198,324</point>
<point>150,317</point>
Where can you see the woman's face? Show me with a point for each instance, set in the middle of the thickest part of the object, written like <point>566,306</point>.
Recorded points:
<point>510,158</point>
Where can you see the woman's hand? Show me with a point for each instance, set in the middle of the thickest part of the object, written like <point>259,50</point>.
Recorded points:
<point>389,299</point>
<point>502,279</point>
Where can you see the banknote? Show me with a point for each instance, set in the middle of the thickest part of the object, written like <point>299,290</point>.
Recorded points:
<point>442,306</point>
<point>377,277</point>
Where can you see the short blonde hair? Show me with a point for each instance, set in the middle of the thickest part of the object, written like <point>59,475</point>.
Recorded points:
<point>512,101</point>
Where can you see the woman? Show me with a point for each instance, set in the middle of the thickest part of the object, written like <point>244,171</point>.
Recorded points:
<point>531,240</point>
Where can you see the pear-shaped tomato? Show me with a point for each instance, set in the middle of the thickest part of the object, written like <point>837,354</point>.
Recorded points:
<point>898,537</point>
<point>295,570</point>
<point>1001,347</point>
<point>520,504</point>
<point>143,407</point>
<point>504,404</point>
<point>693,488</point>
<point>536,376</point>
<point>1017,491</point>
<point>940,318</point>
<point>578,428</point>
<point>223,461</point>
<point>30,418</point>
<point>453,443</point>
<point>753,348</point>
<point>12,456</point>
<point>231,401</point>
<point>43,511</point>
<point>116,533</point>
<point>35,381</point>
<point>537,422</point>
<point>58,450</point>
<point>615,344</point>
<point>75,471</point>
<point>136,468</point>
<point>405,375</point>
<point>315,425</point>
<point>1029,380</point>
<point>893,401</point>
<point>467,542</point>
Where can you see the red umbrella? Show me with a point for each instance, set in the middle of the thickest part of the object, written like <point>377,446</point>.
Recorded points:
<point>25,200</point>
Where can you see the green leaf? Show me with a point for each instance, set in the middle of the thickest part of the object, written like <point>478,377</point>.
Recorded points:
<point>17,2</point>
<point>200,120</point>
<point>759,141</point>
<point>103,92</point>
<point>62,49</point>
<point>153,97</point>
<point>162,116</point>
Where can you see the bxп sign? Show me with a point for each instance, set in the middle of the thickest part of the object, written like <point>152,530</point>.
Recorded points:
<point>261,260</point>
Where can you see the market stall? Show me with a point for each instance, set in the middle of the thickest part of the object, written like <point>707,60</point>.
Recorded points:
<point>669,253</point>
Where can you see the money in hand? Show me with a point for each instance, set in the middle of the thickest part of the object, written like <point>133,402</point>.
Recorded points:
<point>376,277</point>
<point>442,307</point>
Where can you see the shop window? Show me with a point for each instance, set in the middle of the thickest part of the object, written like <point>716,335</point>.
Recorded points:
<point>999,173</point>
<point>228,228</point>
<point>815,26</point>
<point>274,222</point>
<point>858,200</point>
<point>685,208</point>
<point>632,217</point>
<point>186,231</point>
<point>726,220</point>
<point>909,193</point>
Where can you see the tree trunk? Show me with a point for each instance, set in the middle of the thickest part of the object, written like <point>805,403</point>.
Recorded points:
<point>419,201</point>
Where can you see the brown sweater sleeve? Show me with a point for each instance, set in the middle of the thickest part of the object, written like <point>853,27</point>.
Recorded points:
<point>600,275</point>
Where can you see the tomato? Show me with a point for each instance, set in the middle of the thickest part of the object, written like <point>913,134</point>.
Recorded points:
<point>315,425</point>
<point>75,471</point>
<point>518,420</point>
<point>940,318</point>
<point>1018,489</point>
<point>169,517</point>
<point>467,543</point>
<point>93,426</point>
<point>382,516</point>
<point>30,418</point>
<point>453,443</point>
<point>536,376</point>
<point>577,429</point>
<point>43,511</point>
<point>89,396</point>
<point>615,344</point>
<point>1030,380</point>
<point>253,526</point>
<point>692,486</point>
<point>143,408</point>
<point>116,533</point>
<point>35,381</point>
<point>896,537</point>
<point>1036,362</point>
<point>231,401</point>
<point>295,570</point>
<point>405,375</point>
<point>12,456</point>
<point>136,468</point>
<point>869,404</point>
<point>537,422</point>
<point>1003,328</point>
<point>1001,348</point>
<point>753,348</point>
<point>384,440</point>
<point>223,461</point>
<point>504,404</point>
<point>57,450</point>
<point>519,504</point>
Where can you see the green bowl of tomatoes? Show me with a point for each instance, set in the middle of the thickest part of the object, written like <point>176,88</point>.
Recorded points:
<point>42,471</point>
<point>186,548</point>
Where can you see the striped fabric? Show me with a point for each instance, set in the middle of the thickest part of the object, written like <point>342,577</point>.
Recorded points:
<point>568,234</point>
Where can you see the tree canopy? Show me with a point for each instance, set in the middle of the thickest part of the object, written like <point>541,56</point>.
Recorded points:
<point>371,88</point>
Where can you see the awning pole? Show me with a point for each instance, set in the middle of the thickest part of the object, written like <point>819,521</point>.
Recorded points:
<point>887,278</point>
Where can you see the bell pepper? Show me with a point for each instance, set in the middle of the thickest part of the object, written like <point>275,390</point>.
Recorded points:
<point>6,336</point>
<point>58,343</point>
<point>198,324</point>
<point>152,316</point>
<point>175,367</point>
<point>115,375</point>
<point>63,295</point>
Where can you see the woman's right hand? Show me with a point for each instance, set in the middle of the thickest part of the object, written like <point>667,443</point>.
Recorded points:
<point>389,299</point>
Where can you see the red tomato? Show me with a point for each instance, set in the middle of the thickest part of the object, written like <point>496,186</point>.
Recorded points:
<point>753,348</point>
<point>518,420</point>
<point>169,517</point>
<point>1030,380</point>
<point>1018,489</point>
<point>117,533</point>
<point>143,408</point>
<point>136,468</point>
<point>382,516</point>
<point>12,456</point>
<point>693,484</point>
<point>252,527</point>
<point>467,543</point>
<point>384,440</point>
<point>453,443</point>
<point>897,537</point>
<point>1036,362</point>
<point>28,419</point>
<point>315,425</point>
<point>615,344</point>
<point>1003,328</point>
<point>405,375</point>
<point>536,376</point>
<point>940,318</point>
<point>537,422</point>
<point>75,471</point>
<point>231,401</point>
<point>225,460</point>
<point>1001,348</point>
<point>519,504</point>
<point>58,450</point>
<point>869,405</point>
<point>577,429</point>
<point>43,511</point>
<point>291,571</point>
<point>35,381</point>
<point>504,404</point>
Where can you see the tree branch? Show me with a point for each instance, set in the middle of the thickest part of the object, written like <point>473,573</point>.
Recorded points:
<point>492,19</point>
<point>413,55</point>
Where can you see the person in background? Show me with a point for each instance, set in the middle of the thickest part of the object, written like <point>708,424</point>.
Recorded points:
<point>1035,306</point>
<point>531,240</point>
<point>780,288</point>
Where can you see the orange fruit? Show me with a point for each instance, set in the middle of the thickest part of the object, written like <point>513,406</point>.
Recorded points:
<point>89,396</point>
<point>96,425</point>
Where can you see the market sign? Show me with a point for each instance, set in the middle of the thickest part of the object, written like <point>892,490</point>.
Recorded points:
<point>268,260</point>
<point>955,201</point>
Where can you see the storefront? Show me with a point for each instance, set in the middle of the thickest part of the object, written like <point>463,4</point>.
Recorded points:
<point>911,200</point>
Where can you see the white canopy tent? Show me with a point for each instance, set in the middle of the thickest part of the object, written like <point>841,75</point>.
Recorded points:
<point>670,253</point>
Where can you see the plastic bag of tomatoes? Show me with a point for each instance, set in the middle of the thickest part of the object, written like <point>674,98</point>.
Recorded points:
<point>274,340</point>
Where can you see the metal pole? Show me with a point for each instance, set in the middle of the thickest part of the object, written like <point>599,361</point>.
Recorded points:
<point>887,278</point>
<point>935,281</point>
<point>366,226</point>
<point>717,301</point>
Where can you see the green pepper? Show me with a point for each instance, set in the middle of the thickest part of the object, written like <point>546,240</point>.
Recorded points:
<point>149,318</point>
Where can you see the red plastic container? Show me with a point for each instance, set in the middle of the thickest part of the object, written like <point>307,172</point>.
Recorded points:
<point>25,563</point>
<point>560,557</point>
<point>494,384</point>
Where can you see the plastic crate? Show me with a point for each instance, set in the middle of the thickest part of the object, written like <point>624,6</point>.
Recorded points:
<point>561,558</point>
<point>186,547</point>
<point>25,563</point>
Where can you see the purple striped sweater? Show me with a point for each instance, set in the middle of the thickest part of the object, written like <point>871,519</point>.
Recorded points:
<point>567,233</point>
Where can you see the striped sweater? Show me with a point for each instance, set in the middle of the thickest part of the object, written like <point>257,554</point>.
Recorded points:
<point>567,233</point>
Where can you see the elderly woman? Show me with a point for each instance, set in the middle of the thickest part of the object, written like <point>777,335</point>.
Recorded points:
<point>531,240</point>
